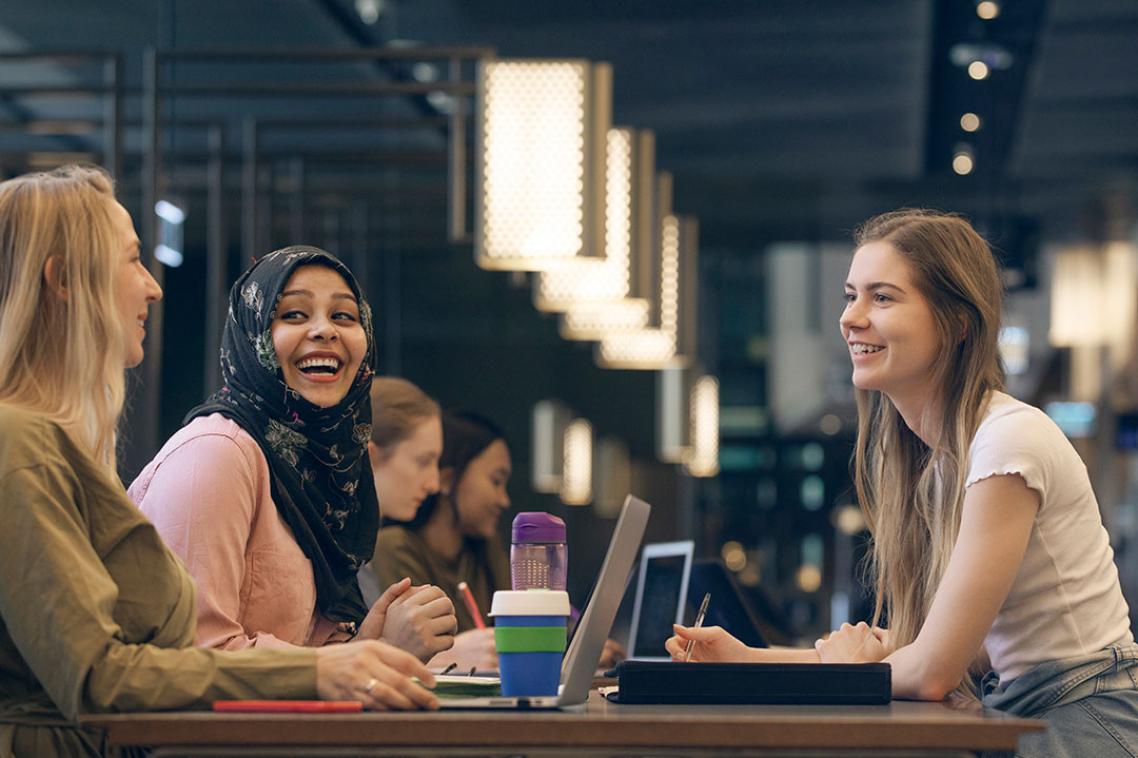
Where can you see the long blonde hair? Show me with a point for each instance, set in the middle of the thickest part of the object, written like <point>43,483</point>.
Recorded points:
<point>62,356</point>
<point>397,409</point>
<point>911,493</point>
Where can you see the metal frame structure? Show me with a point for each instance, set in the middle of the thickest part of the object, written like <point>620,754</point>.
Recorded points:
<point>156,90</point>
<point>457,63</point>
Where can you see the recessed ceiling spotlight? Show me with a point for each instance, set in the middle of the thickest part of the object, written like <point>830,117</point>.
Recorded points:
<point>970,122</point>
<point>987,9</point>
<point>978,70</point>
<point>962,161</point>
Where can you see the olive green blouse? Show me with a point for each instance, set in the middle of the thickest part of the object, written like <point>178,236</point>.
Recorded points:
<point>96,615</point>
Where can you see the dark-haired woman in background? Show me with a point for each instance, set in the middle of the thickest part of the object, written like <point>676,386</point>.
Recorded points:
<point>454,536</point>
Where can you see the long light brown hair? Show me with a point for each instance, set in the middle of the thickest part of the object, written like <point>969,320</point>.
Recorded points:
<point>397,409</point>
<point>62,356</point>
<point>912,494</point>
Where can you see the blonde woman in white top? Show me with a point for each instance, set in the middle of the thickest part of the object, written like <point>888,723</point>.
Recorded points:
<point>990,559</point>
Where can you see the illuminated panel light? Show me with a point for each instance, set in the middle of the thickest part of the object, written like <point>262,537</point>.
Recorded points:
<point>703,458</point>
<point>670,274</point>
<point>652,348</point>
<point>1076,284</point>
<point>979,70</point>
<point>612,479</point>
<point>592,321</point>
<point>171,219</point>
<point>577,478</point>
<point>591,279</point>
<point>542,127</point>
<point>673,414</point>
<point>634,213</point>
<point>644,349</point>
<point>168,255</point>
<point>550,418</point>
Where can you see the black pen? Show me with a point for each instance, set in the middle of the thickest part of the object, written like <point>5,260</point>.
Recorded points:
<point>698,623</point>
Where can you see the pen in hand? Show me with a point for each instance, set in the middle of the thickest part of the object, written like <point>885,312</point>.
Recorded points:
<point>471,606</point>
<point>698,623</point>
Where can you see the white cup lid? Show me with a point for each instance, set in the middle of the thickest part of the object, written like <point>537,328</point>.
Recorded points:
<point>530,603</point>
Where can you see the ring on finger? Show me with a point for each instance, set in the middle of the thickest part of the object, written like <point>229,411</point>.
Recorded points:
<point>370,685</point>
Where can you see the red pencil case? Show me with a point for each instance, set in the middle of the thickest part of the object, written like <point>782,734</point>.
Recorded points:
<point>288,706</point>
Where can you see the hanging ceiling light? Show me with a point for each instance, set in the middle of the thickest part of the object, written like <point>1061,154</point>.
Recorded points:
<point>1076,297</point>
<point>606,278</point>
<point>671,341</point>
<point>550,418</point>
<point>703,456</point>
<point>577,478</point>
<point>630,210</point>
<point>673,409</point>
<point>612,477</point>
<point>542,138</point>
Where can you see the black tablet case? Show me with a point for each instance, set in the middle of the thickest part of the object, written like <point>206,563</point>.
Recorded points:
<point>770,683</point>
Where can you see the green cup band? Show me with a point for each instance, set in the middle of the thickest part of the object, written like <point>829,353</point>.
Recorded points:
<point>529,639</point>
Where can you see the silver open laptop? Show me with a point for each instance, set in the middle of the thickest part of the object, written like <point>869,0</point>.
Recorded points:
<point>593,628</point>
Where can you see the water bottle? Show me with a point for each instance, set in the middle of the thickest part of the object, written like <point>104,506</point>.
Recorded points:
<point>539,557</point>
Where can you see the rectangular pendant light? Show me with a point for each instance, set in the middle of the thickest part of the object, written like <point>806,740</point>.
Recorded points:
<point>542,141</point>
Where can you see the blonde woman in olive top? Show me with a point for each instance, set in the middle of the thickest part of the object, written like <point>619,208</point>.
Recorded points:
<point>96,614</point>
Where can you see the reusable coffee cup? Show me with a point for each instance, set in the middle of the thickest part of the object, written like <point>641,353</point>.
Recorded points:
<point>529,635</point>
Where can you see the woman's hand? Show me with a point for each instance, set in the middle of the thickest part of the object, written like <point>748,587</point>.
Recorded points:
<point>374,673</point>
<point>472,648</point>
<point>417,619</point>
<point>712,644</point>
<point>853,644</point>
<point>611,654</point>
<point>421,621</point>
<point>371,628</point>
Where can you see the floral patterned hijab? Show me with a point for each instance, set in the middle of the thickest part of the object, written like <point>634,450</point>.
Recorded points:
<point>320,476</point>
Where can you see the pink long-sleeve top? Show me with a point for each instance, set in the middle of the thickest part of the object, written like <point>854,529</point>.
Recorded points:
<point>207,491</point>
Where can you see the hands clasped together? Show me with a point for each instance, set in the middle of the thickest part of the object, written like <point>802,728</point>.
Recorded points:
<point>854,643</point>
<point>419,619</point>
<point>383,667</point>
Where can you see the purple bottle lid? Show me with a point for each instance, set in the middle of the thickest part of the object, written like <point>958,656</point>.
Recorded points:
<point>537,527</point>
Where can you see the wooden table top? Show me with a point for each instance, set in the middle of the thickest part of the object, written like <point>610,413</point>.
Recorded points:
<point>899,725</point>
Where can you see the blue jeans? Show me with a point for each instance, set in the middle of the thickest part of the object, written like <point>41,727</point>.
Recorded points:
<point>1090,704</point>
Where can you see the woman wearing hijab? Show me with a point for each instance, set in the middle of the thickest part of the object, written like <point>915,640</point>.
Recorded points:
<point>266,493</point>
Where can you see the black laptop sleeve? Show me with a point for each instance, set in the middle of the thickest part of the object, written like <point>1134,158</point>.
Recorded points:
<point>771,683</point>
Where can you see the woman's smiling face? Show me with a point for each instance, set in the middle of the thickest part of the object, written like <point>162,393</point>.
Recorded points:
<point>317,334</point>
<point>889,325</point>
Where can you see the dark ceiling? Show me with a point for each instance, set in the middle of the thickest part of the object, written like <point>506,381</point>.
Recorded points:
<point>780,120</point>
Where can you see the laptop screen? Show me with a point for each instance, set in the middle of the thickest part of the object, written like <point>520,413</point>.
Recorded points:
<point>660,596</point>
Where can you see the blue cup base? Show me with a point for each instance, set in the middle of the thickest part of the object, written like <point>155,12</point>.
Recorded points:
<point>529,674</point>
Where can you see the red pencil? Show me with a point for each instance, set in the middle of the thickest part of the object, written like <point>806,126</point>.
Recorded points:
<point>471,606</point>
<point>288,706</point>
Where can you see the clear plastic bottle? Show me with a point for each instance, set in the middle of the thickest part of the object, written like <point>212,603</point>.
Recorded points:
<point>539,556</point>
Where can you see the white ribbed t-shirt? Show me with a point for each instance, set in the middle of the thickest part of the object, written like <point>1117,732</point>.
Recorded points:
<point>1066,600</point>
